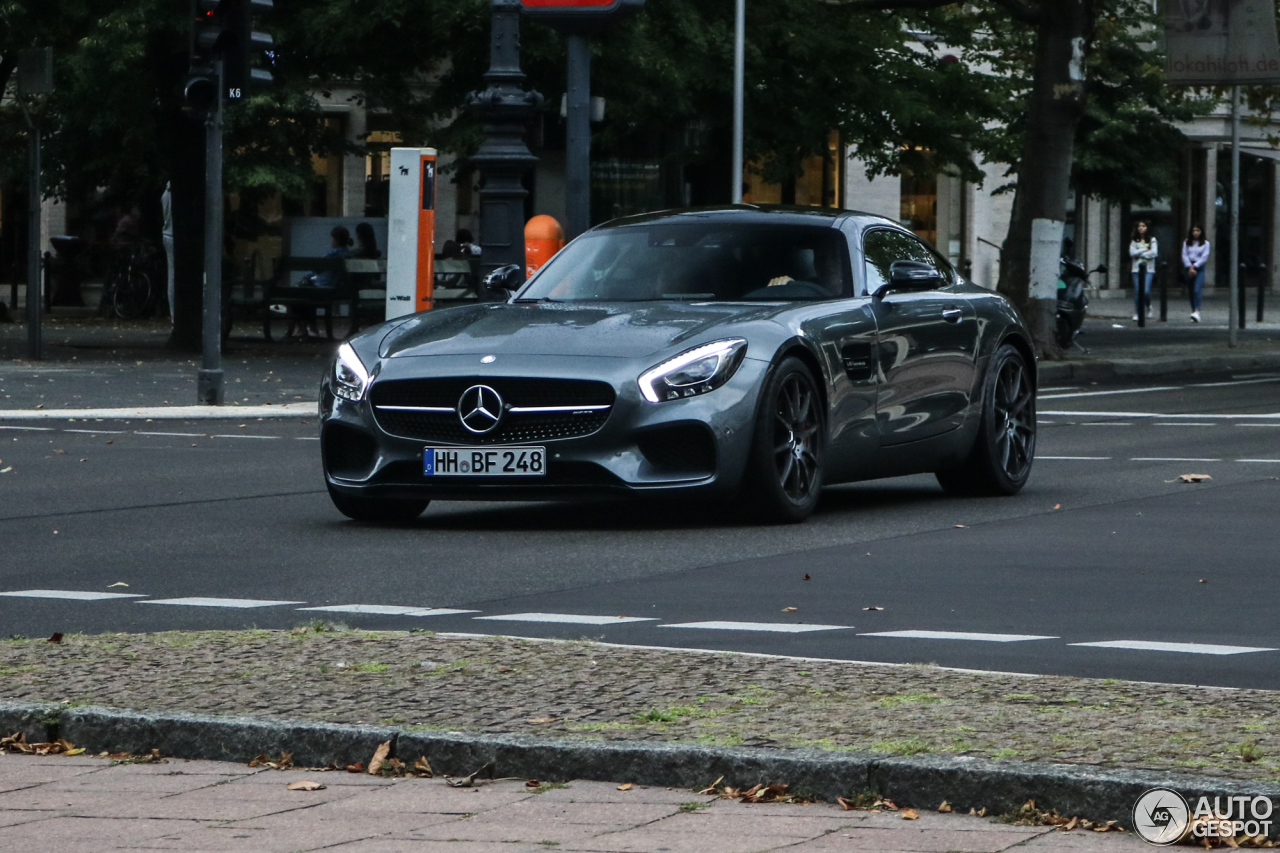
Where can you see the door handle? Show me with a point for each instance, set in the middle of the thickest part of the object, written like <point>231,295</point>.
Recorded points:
<point>952,315</point>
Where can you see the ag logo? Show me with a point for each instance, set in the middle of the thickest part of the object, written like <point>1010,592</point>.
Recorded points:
<point>1161,816</point>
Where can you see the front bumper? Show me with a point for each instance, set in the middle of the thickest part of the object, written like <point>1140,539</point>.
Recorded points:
<point>689,446</point>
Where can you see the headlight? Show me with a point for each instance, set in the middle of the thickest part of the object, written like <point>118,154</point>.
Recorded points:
<point>694,371</point>
<point>350,379</point>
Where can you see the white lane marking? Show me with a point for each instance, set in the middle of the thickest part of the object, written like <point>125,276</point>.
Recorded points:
<point>307,438</point>
<point>284,410</point>
<point>1184,648</point>
<point>1105,423</point>
<point>1258,425</point>
<point>1258,460</point>
<point>1169,459</point>
<point>1187,423</point>
<point>71,594</point>
<point>1076,458</point>
<point>387,610</point>
<point>959,635</point>
<point>98,431</point>
<point>777,627</point>
<point>220,602</point>
<point>568,618</point>
<point>1062,388</point>
<point>244,436</point>
<point>1110,393</point>
<point>174,434</point>
<point>32,429</point>
<point>1271,416</point>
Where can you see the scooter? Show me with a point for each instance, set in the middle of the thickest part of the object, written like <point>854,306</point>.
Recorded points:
<point>1072,301</point>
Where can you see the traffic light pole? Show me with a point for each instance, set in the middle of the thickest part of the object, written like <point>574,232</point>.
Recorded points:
<point>209,385</point>
<point>578,136</point>
<point>34,268</point>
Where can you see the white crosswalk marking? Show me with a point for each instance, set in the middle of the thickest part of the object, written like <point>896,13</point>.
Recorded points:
<point>220,602</point>
<point>1075,458</point>
<point>775,627</point>
<point>386,610</point>
<point>568,618</point>
<point>1184,648</point>
<point>959,635</point>
<point>1170,459</point>
<point>70,594</point>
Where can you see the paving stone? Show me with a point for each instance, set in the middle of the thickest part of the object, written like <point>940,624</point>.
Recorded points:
<point>653,840</point>
<point>538,811</point>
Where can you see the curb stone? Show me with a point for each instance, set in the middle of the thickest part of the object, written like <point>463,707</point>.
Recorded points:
<point>919,781</point>
<point>1147,368</point>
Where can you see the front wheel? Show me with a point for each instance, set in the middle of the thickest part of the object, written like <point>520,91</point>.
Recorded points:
<point>1005,447</point>
<point>784,471</point>
<point>378,510</point>
<point>132,294</point>
<point>1064,333</point>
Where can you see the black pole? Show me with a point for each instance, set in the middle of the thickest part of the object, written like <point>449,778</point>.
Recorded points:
<point>35,271</point>
<point>578,133</point>
<point>1142,296</point>
<point>1241,294</point>
<point>1162,272</point>
<point>505,109</point>
<point>209,386</point>
<point>1262,286</point>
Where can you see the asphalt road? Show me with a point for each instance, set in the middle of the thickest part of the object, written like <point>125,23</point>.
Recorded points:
<point>1105,545</point>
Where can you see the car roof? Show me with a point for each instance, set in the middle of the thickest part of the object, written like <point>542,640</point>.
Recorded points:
<point>778,214</point>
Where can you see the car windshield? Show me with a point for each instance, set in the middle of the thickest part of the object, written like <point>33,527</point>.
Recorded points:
<point>697,262</point>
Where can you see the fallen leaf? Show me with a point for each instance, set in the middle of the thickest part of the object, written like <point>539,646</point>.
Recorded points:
<point>118,583</point>
<point>806,577</point>
<point>543,720</point>
<point>1057,506</point>
<point>910,814</point>
<point>358,767</point>
<point>470,781</point>
<point>422,767</point>
<point>790,609</point>
<point>60,452</point>
<point>1204,580</point>
<point>379,757</point>
<point>961,526</point>
<point>1194,478</point>
<point>304,785</point>
<point>945,808</point>
<point>1071,824</point>
<point>875,607</point>
<point>625,786</point>
<point>284,762</point>
<point>56,637</point>
<point>6,470</point>
<point>845,804</point>
<point>532,783</point>
<point>111,441</point>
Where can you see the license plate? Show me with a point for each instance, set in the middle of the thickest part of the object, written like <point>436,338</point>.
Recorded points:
<point>472,462</point>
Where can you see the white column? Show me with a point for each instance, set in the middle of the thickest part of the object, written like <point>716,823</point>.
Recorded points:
<point>1117,248</point>
<point>53,222</point>
<point>353,165</point>
<point>1095,240</point>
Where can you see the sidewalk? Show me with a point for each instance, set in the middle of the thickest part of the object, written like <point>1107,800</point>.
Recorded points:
<point>92,805</point>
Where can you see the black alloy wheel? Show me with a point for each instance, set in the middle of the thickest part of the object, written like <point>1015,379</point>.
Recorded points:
<point>784,474</point>
<point>1005,447</point>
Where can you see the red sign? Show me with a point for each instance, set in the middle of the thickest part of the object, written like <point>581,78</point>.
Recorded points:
<point>564,4</point>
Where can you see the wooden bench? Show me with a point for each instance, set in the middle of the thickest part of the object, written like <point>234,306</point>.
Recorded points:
<point>357,284</point>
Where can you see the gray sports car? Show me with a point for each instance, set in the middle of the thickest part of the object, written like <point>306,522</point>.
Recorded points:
<point>746,354</point>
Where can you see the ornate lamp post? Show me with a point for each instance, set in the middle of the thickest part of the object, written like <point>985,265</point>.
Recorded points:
<point>506,110</point>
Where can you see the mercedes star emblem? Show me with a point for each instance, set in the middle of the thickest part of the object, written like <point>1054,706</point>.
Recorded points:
<point>480,409</point>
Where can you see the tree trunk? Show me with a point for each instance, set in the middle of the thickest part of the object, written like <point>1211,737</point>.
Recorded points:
<point>1028,261</point>
<point>188,235</point>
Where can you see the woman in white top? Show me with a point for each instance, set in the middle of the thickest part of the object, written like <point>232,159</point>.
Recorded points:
<point>1143,250</point>
<point>1195,255</point>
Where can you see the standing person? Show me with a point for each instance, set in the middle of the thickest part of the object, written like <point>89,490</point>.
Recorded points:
<point>1195,254</point>
<point>166,236</point>
<point>1143,250</point>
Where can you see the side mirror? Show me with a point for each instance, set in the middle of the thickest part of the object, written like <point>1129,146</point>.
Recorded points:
<point>504,281</point>
<point>911,276</point>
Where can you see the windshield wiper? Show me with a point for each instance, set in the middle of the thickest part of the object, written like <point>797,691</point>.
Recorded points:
<point>536,301</point>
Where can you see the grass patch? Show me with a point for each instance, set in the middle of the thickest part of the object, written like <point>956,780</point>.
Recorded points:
<point>699,805</point>
<point>547,786</point>
<point>667,715</point>
<point>922,698</point>
<point>1007,753</point>
<point>18,670</point>
<point>371,667</point>
<point>909,746</point>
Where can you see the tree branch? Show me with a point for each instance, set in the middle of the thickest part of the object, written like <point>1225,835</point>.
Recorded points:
<point>1021,11</point>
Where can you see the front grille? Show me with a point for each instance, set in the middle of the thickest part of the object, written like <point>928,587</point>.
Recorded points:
<point>516,392</point>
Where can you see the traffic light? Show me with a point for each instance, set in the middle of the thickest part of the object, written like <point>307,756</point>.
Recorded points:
<point>239,73</point>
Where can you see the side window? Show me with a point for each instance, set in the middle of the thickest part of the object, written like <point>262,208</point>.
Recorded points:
<point>881,247</point>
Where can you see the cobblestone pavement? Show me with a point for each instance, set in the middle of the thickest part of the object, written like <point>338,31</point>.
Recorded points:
<point>420,680</point>
<point>91,805</point>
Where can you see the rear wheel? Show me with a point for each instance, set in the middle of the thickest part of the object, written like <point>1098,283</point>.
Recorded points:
<point>1005,447</point>
<point>784,472</point>
<point>378,510</point>
<point>132,294</point>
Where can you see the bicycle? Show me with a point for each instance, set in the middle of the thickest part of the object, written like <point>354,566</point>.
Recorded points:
<point>128,290</point>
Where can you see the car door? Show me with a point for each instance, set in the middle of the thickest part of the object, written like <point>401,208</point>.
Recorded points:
<point>926,343</point>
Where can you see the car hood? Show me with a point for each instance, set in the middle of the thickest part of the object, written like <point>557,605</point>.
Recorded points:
<point>621,330</point>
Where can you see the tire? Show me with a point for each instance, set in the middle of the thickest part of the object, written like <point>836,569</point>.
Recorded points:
<point>132,295</point>
<point>784,469</point>
<point>1005,447</point>
<point>1063,333</point>
<point>377,510</point>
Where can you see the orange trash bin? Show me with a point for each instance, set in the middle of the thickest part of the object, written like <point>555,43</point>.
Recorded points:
<point>543,237</point>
